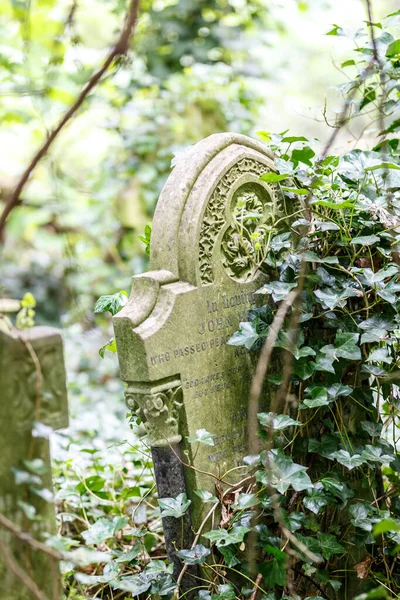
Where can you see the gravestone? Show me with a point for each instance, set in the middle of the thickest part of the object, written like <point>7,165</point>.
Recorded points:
<point>172,334</point>
<point>32,389</point>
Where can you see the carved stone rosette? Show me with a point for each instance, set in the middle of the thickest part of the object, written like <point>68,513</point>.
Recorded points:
<point>157,407</point>
<point>255,206</point>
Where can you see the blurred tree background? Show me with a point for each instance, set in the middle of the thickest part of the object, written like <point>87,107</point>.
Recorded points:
<point>195,68</point>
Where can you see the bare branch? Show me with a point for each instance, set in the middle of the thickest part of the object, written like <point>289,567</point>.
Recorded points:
<point>120,49</point>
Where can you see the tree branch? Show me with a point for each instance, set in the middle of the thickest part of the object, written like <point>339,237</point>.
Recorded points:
<point>120,49</point>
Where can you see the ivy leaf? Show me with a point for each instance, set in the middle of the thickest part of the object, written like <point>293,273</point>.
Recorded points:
<point>344,458</point>
<point>329,545</point>
<point>112,303</point>
<point>293,520</point>
<point>276,422</point>
<point>221,537</point>
<point>365,240</point>
<point>337,488</point>
<point>338,389</point>
<point>104,529</point>
<point>133,584</point>
<point>331,298</point>
<point>324,363</point>
<point>375,454</point>
<point>278,289</point>
<point>282,473</point>
<point>194,556</point>
<point>206,496</point>
<point>345,346</point>
<point>274,570</point>
<point>309,256</point>
<point>315,500</point>
<point>285,341</point>
<point>378,355</point>
<point>280,241</point>
<point>359,511</point>
<point>374,429</point>
<point>303,155</point>
<point>202,437</point>
<point>245,501</point>
<point>174,507</point>
<point>326,447</point>
<point>318,397</point>
<point>385,526</point>
<point>370,278</point>
<point>273,177</point>
<point>111,345</point>
<point>246,336</point>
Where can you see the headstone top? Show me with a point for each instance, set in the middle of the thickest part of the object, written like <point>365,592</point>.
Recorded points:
<point>192,205</point>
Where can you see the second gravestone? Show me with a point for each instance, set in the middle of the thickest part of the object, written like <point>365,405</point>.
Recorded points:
<point>172,334</point>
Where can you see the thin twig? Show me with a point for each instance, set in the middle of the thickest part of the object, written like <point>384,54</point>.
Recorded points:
<point>120,49</point>
<point>28,539</point>
<point>20,573</point>
<point>262,367</point>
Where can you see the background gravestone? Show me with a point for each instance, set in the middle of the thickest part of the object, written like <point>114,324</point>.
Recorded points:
<point>171,335</point>
<point>20,408</point>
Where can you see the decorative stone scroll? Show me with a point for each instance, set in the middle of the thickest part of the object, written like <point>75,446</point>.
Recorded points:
<point>172,334</point>
<point>33,389</point>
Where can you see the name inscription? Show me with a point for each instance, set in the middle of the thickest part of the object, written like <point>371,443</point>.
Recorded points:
<point>217,324</point>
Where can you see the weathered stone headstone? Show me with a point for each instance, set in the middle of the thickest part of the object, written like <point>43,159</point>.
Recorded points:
<point>171,336</point>
<point>32,389</point>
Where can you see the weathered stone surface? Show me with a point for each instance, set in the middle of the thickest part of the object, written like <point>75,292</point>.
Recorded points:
<point>33,389</point>
<point>172,334</point>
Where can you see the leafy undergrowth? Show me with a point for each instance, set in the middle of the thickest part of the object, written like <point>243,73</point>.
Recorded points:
<point>108,519</point>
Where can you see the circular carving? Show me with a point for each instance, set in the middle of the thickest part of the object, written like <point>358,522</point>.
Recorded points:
<point>243,243</point>
<point>234,256</point>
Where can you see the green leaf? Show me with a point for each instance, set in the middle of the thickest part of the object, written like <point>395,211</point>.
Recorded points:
<point>338,389</point>
<point>222,537</point>
<point>274,570</point>
<point>384,166</point>
<point>278,289</point>
<point>329,545</point>
<point>303,155</point>
<point>344,458</point>
<point>326,447</point>
<point>375,454</point>
<point>309,256</point>
<point>393,49</point>
<point>359,511</point>
<point>246,336</point>
<point>295,190</point>
<point>315,500</point>
<point>318,396</point>
<point>112,303</point>
<point>281,472</point>
<point>386,526</point>
<point>206,496</point>
<point>194,556</point>
<point>104,529</point>
<point>276,422</point>
<point>245,501</point>
<point>111,345</point>
<point>293,520</point>
<point>202,437</point>
<point>365,240</point>
<point>273,177</point>
<point>345,347</point>
<point>174,507</point>
<point>94,483</point>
